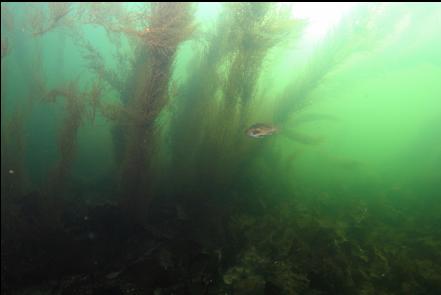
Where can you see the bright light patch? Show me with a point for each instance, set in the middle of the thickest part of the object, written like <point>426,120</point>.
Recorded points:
<point>321,16</point>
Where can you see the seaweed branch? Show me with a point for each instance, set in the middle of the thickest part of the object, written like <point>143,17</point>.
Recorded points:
<point>77,103</point>
<point>339,45</point>
<point>41,24</point>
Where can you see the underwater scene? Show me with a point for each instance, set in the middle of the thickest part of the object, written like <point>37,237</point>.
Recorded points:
<point>220,148</point>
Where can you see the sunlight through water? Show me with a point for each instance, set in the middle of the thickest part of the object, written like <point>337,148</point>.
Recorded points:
<point>321,16</point>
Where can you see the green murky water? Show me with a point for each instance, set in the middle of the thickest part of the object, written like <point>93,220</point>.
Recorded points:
<point>128,165</point>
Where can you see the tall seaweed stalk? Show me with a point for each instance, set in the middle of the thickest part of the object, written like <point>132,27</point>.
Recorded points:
<point>168,24</point>
<point>76,106</point>
<point>254,29</point>
<point>214,104</point>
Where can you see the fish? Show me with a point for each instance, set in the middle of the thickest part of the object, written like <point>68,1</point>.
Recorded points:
<point>260,130</point>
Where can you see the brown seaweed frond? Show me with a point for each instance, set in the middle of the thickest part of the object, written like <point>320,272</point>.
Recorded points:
<point>7,18</point>
<point>253,30</point>
<point>42,23</point>
<point>5,49</point>
<point>102,13</point>
<point>169,25</point>
<point>79,105</point>
<point>93,99</point>
<point>162,27</point>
